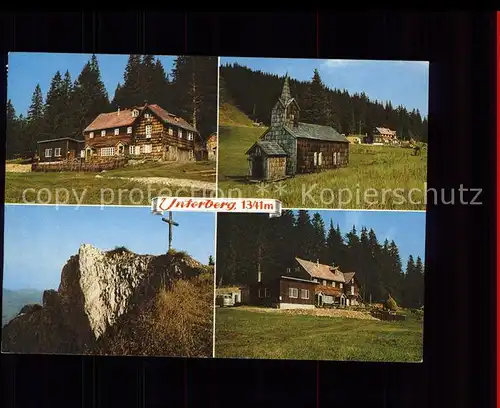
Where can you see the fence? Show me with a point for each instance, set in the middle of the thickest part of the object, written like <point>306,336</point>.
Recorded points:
<point>78,166</point>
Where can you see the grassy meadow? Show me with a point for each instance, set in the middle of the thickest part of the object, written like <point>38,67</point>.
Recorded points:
<point>243,333</point>
<point>115,187</point>
<point>377,177</point>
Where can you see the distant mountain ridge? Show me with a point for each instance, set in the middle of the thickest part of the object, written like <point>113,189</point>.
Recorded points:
<point>14,300</point>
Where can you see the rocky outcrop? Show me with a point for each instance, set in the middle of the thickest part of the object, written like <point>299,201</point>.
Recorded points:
<point>97,290</point>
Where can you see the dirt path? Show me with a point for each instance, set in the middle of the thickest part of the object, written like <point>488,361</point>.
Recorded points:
<point>167,181</point>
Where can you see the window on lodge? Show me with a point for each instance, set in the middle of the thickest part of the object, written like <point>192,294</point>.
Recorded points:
<point>293,293</point>
<point>107,151</point>
<point>149,129</point>
<point>304,293</point>
<point>57,152</point>
<point>103,133</point>
<point>48,152</point>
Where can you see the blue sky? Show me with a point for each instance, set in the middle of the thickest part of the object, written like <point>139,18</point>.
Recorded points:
<point>38,240</point>
<point>28,69</point>
<point>401,82</point>
<point>407,229</point>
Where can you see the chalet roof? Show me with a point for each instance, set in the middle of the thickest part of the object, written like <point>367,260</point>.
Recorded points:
<point>112,120</point>
<point>170,118</point>
<point>124,118</point>
<point>316,132</point>
<point>348,276</point>
<point>321,271</point>
<point>269,148</point>
<point>385,131</point>
<point>61,138</point>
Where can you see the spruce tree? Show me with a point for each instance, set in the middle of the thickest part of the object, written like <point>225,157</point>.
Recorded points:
<point>161,94</point>
<point>304,233</point>
<point>89,97</point>
<point>130,93</point>
<point>34,126</point>
<point>318,238</point>
<point>13,144</point>
<point>55,109</point>
<point>408,290</point>
<point>314,103</point>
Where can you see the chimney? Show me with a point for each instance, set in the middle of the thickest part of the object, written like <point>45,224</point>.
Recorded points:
<point>259,273</point>
<point>118,113</point>
<point>317,263</point>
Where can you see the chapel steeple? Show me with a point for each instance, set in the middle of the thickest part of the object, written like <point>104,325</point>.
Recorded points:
<point>285,93</point>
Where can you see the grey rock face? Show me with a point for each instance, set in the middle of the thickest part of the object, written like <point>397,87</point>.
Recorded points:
<point>97,288</point>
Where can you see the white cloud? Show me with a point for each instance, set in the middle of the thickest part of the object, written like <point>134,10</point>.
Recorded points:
<point>338,63</point>
<point>341,63</point>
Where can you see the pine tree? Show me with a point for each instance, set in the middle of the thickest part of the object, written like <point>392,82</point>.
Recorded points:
<point>12,141</point>
<point>211,261</point>
<point>130,94</point>
<point>55,108</point>
<point>375,267</point>
<point>318,237</point>
<point>34,125</point>
<point>419,282</point>
<point>194,88</point>
<point>304,233</point>
<point>408,290</point>
<point>314,105</point>
<point>161,94</point>
<point>89,97</point>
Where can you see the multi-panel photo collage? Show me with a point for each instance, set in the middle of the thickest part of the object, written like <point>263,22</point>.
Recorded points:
<point>91,268</point>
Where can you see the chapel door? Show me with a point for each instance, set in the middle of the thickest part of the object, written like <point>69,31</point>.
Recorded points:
<point>257,167</point>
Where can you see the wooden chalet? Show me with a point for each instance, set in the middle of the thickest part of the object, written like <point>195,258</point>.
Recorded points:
<point>306,285</point>
<point>143,132</point>
<point>334,287</point>
<point>57,150</point>
<point>384,136</point>
<point>285,292</point>
<point>289,147</point>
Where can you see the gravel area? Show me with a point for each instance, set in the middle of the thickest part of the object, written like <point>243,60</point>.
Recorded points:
<point>174,182</point>
<point>17,168</point>
<point>346,313</point>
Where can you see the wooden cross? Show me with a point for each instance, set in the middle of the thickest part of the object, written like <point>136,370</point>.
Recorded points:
<point>171,223</point>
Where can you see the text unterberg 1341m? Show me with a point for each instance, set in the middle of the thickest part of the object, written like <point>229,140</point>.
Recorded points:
<point>241,205</point>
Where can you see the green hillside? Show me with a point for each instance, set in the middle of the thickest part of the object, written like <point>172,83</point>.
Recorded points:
<point>232,116</point>
<point>14,300</point>
<point>234,141</point>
